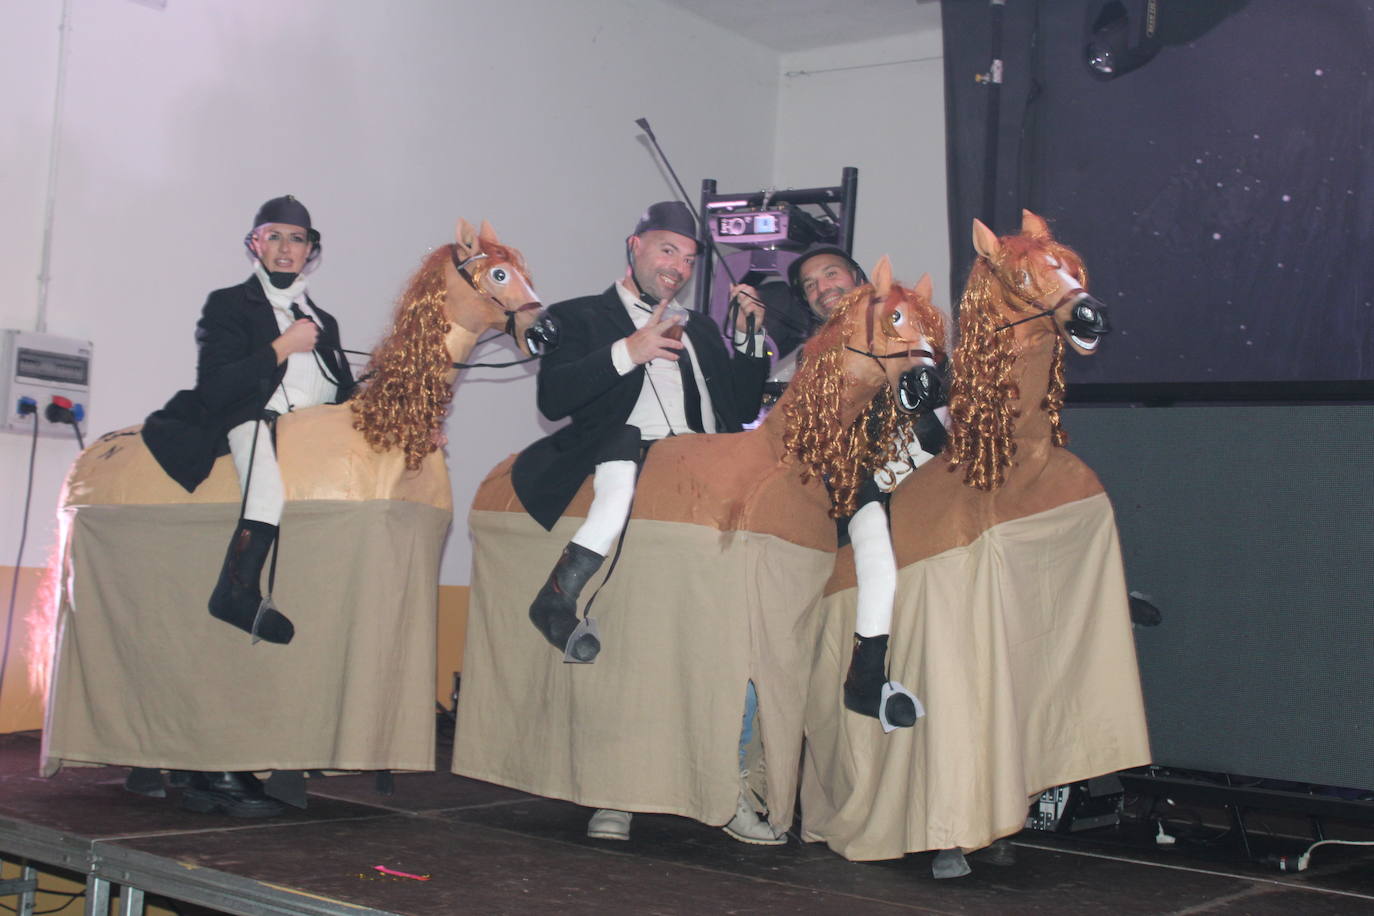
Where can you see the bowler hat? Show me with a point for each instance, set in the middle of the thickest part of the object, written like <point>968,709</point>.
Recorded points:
<point>668,216</point>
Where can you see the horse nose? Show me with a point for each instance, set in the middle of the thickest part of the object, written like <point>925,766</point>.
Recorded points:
<point>920,388</point>
<point>1088,318</point>
<point>541,338</point>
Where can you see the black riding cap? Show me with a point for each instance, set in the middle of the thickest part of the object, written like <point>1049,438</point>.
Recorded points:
<point>289,212</point>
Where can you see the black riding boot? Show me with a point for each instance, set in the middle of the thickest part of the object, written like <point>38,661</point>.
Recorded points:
<point>554,611</point>
<point>863,686</point>
<point>237,594</point>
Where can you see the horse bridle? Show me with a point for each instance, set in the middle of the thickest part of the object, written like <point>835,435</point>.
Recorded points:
<point>540,337</point>
<point>917,389</point>
<point>909,351</point>
<point>1089,318</point>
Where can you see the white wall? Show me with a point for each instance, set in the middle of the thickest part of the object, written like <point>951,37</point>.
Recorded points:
<point>390,121</point>
<point>28,68</point>
<point>877,105</point>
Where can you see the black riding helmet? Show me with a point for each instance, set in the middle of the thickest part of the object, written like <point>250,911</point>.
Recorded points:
<point>289,212</point>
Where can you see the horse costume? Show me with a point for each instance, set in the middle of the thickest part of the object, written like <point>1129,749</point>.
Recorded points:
<point>141,676</point>
<point>1011,619</point>
<point>729,543</point>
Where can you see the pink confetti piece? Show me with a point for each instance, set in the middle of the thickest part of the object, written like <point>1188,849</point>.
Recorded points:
<point>400,874</point>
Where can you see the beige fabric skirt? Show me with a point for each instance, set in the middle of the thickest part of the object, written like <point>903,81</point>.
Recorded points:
<point>688,618</point>
<point>1019,645</point>
<point>142,675</point>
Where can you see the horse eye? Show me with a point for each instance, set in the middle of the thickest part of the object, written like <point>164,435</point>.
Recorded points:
<point>499,274</point>
<point>1023,279</point>
<point>897,317</point>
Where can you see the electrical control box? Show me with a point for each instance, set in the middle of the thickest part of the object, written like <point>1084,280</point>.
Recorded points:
<point>39,370</point>
<point>1046,810</point>
<point>1078,806</point>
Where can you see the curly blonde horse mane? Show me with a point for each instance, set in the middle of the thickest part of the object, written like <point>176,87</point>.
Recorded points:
<point>406,396</point>
<point>845,456</point>
<point>983,393</point>
<point>407,393</point>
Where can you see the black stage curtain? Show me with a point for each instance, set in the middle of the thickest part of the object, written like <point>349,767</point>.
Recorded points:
<point>1222,195</point>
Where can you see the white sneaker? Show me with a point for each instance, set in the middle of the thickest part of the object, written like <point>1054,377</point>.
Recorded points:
<point>609,824</point>
<point>747,827</point>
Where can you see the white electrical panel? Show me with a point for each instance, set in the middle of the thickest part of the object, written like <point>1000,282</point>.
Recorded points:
<point>44,369</point>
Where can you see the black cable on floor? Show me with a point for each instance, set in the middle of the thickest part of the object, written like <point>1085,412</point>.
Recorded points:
<point>70,895</point>
<point>18,560</point>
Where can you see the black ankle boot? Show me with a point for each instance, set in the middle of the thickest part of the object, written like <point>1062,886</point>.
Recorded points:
<point>237,594</point>
<point>234,794</point>
<point>145,781</point>
<point>863,686</point>
<point>554,611</point>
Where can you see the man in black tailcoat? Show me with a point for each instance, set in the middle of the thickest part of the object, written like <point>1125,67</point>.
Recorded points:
<point>627,374</point>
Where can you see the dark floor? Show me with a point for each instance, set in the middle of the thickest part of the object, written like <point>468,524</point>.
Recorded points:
<point>487,849</point>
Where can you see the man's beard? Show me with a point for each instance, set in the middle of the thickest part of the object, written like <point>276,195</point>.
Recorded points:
<point>654,284</point>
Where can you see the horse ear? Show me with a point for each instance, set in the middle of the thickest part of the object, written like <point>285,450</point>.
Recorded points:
<point>984,240</point>
<point>1033,225</point>
<point>882,277</point>
<point>924,288</point>
<point>466,238</point>
<point>487,232</point>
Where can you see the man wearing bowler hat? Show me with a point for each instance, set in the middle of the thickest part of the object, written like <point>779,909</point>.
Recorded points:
<point>632,367</point>
<point>627,374</point>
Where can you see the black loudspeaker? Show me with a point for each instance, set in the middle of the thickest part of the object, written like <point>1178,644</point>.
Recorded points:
<point>1252,530</point>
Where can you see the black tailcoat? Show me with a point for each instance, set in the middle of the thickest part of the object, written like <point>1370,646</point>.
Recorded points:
<point>578,380</point>
<point>236,373</point>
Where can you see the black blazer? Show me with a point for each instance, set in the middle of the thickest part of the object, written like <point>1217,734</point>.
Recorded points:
<point>578,380</point>
<point>236,373</point>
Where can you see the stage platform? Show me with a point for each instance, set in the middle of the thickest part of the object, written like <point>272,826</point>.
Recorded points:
<point>491,850</point>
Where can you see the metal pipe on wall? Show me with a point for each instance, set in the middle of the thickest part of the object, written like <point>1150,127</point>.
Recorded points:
<point>40,323</point>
